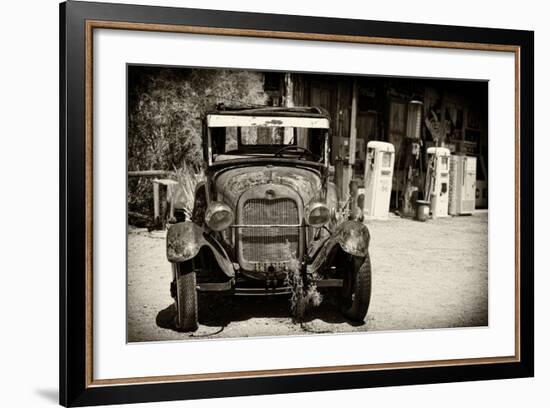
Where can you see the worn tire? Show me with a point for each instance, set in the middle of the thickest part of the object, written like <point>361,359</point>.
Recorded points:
<point>186,298</point>
<point>356,292</point>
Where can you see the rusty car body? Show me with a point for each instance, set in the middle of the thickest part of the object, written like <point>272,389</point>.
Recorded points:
<point>267,220</point>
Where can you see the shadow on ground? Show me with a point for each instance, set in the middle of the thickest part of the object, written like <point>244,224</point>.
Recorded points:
<point>221,310</point>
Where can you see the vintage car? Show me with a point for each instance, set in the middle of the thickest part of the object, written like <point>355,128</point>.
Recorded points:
<point>267,220</point>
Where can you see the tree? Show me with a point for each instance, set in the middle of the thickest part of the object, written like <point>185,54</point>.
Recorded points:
<point>165,108</point>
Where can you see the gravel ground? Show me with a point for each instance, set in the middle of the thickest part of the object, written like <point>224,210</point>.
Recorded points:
<point>425,275</point>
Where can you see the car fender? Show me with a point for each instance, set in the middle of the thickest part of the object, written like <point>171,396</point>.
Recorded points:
<point>184,241</point>
<point>352,236</point>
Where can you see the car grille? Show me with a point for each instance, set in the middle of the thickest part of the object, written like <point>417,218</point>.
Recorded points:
<point>277,243</point>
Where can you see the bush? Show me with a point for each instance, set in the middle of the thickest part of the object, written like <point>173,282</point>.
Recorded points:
<point>165,110</point>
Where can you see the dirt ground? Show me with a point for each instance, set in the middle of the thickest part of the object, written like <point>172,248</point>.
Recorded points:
<point>425,275</point>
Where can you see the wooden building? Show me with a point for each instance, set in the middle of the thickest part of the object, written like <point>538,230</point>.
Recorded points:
<point>376,108</point>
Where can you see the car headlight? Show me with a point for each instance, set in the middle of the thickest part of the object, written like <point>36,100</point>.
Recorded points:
<point>317,215</point>
<point>219,216</point>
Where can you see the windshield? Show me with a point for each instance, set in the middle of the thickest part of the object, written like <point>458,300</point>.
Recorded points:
<point>235,142</point>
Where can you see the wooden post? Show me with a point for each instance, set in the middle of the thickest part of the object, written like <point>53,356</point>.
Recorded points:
<point>442,121</point>
<point>156,202</point>
<point>339,180</point>
<point>348,173</point>
<point>289,103</point>
<point>289,90</point>
<point>440,139</point>
<point>353,126</point>
<point>149,173</point>
<point>353,191</point>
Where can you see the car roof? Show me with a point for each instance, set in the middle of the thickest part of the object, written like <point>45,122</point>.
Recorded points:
<point>302,117</point>
<point>296,111</point>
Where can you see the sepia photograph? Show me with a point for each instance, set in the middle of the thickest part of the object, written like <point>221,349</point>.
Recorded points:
<point>311,203</point>
<point>271,203</point>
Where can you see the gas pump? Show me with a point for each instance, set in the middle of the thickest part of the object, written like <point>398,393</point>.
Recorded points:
<point>437,181</point>
<point>462,191</point>
<point>378,179</point>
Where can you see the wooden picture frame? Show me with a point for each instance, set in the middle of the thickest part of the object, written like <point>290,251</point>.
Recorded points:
<point>78,20</point>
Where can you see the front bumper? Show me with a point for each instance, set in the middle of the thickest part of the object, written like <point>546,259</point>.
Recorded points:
<point>242,289</point>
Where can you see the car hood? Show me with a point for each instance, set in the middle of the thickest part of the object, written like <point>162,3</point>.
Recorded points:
<point>232,183</point>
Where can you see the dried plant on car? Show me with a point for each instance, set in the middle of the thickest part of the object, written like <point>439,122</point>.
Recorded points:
<point>188,177</point>
<point>303,294</point>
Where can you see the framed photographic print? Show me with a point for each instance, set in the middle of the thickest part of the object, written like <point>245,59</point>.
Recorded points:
<point>255,203</point>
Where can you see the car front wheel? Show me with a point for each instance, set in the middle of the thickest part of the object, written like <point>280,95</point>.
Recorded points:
<point>356,289</point>
<point>186,298</point>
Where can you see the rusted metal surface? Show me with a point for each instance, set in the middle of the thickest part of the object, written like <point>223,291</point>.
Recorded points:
<point>184,241</point>
<point>232,183</point>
